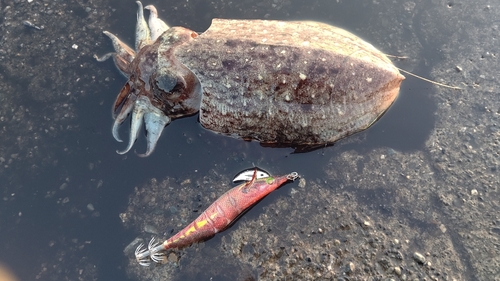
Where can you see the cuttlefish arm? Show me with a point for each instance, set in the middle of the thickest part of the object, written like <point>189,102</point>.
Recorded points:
<point>142,32</point>
<point>154,119</point>
<point>122,56</point>
<point>124,104</point>
<point>156,25</point>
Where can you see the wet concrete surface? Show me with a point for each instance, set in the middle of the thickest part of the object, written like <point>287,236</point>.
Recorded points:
<point>415,197</point>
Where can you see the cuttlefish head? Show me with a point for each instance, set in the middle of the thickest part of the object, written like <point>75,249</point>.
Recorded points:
<point>159,88</point>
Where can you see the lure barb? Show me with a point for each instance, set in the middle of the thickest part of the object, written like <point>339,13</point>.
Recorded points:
<point>153,253</point>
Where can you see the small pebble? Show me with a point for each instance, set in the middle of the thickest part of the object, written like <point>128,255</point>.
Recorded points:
<point>173,209</point>
<point>150,229</point>
<point>302,183</point>
<point>172,257</point>
<point>30,24</point>
<point>90,207</point>
<point>442,227</point>
<point>130,248</point>
<point>419,257</point>
<point>474,192</point>
<point>350,267</point>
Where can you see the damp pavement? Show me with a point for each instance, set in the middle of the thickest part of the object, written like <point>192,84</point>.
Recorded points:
<point>415,197</point>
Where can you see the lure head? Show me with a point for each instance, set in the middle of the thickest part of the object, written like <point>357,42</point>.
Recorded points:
<point>258,188</point>
<point>270,183</point>
<point>249,174</point>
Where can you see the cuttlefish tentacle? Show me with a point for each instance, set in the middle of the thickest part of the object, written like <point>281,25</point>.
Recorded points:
<point>142,33</point>
<point>121,99</point>
<point>156,25</point>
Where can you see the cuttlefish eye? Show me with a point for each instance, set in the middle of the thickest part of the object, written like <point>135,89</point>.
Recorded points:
<point>169,89</point>
<point>166,83</point>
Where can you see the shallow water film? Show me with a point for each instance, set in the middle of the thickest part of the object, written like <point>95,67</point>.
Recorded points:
<point>414,197</point>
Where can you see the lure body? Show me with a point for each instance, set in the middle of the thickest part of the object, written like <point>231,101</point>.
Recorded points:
<point>295,84</point>
<point>217,217</point>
